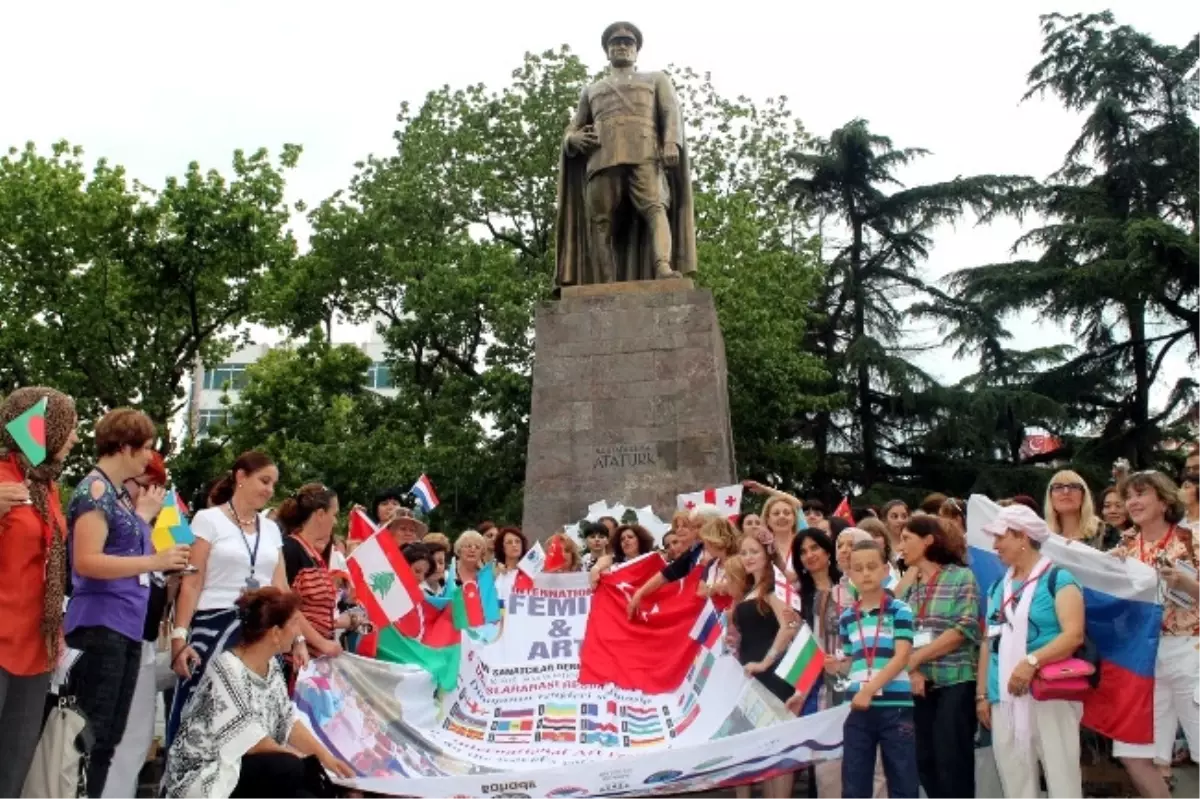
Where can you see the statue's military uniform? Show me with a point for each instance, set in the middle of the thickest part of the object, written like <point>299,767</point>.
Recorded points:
<point>635,118</point>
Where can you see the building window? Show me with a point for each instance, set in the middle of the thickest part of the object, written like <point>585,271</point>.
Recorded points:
<point>379,376</point>
<point>231,376</point>
<point>208,418</point>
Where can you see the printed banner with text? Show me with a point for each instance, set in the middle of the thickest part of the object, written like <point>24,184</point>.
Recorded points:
<point>519,717</point>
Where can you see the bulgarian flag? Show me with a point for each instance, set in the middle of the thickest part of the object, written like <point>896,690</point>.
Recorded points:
<point>803,663</point>
<point>28,431</point>
<point>383,580</point>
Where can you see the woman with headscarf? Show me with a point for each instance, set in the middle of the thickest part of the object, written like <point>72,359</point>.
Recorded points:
<point>1034,618</point>
<point>33,576</point>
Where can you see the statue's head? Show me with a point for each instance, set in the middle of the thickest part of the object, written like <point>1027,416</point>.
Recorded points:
<point>622,41</point>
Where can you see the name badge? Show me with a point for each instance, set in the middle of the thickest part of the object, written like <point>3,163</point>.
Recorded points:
<point>144,579</point>
<point>922,638</point>
<point>994,630</point>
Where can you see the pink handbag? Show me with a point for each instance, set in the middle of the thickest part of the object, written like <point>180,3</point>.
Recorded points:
<point>1065,679</point>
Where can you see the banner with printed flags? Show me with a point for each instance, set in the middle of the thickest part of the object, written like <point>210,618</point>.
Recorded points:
<point>171,528</point>
<point>383,580</point>
<point>728,499</point>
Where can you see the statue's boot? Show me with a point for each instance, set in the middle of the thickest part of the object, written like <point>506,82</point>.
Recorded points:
<point>663,271</point>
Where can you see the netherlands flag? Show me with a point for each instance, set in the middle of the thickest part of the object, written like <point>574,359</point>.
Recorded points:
<point>425,495</point>
<point>1123,618</point>
<point>707,629</point>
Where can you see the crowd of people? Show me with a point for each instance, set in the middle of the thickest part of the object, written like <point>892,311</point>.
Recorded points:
<point>924,655</point>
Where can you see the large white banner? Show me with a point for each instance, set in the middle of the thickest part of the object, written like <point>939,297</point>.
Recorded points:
<point>520,723</point>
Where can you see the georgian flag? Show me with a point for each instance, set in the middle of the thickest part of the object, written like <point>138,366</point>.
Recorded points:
<point>728,499</point>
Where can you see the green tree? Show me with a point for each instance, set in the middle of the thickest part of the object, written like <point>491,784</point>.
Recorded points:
<point>844,181</point>
<point>448,246</point>
<point>109,290</point>
<point>1118,250</point>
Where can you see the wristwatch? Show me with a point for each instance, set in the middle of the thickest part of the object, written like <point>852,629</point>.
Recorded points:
<point>1032,660</point>
<point>179,634</point>
<point>299,640</point>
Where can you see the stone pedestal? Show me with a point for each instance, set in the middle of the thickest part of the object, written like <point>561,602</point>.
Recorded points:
<point>630,402</point>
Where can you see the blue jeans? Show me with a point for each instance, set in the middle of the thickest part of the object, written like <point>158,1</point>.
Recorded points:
<point>891,731</point>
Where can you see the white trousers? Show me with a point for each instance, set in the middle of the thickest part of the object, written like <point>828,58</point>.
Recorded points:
<point>1053,740</point>
<point>130,754</point>
<point>1176,684</point>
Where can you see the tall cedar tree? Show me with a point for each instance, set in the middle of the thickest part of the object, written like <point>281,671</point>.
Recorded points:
<point>1119,249</point>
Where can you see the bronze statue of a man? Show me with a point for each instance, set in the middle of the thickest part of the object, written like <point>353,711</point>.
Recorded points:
<point>625,208</point>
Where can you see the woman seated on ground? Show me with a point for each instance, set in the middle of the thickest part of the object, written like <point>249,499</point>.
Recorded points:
<point>240,736</point>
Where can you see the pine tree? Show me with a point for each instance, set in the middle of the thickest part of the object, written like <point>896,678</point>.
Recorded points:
<point>845,179</point>
<point>1119,249</point>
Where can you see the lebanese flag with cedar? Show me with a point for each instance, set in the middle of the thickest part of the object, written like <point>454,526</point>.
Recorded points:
<point>383,581</point>
<point>728,499</point>
<point>361,526</point>
<point>653,651</point>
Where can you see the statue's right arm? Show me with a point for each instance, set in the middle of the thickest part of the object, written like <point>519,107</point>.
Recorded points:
<point>582,118</point>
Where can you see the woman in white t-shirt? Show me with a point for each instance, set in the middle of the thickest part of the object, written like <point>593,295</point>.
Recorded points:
<point>237,548</point>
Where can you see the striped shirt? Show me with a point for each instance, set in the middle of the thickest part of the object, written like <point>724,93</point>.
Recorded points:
<point>869,642</point>
<point>312,581</point>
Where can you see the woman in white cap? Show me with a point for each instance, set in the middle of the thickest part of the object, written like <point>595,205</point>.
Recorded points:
<point>1034,618</point>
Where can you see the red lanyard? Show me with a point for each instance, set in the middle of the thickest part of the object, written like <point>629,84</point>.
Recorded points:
<point>930,588</point>
<point>1158,549</point>
<point>869,654</point>
<point>1011,602</point>
<point>312,553</point>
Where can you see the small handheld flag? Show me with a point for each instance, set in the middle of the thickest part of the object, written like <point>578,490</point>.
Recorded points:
<point>803,663</point>
<point>361,526</point>
<point>424,493</point>
<point>29,432</point>
<point>171,528</point>
<point>383,580</point>
<point>843,510</point>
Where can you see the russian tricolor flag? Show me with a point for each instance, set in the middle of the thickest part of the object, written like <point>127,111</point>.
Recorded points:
<point>707,629</point>
<point>1123,618</point>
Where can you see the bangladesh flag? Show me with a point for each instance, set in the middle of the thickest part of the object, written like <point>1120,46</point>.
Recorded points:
<point>29,432</point>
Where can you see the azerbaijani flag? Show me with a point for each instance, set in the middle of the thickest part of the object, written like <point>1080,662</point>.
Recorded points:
<point>29,432</point>
<point>1123,617</point>
<point>171,528</point>
<point>426,496</point>
<point>477,602</point>
<point>803,663</point>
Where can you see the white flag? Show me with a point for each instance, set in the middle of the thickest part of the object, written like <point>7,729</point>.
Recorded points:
<point>728,499</point>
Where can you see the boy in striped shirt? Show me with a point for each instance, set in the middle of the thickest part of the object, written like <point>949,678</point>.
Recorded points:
<point>876,634</point>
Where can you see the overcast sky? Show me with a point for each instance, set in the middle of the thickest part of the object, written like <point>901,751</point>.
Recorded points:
<point>154,85</point>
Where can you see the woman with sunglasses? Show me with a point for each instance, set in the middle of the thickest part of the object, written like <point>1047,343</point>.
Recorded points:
<point>1070,511</point>
<point>1159,541</point>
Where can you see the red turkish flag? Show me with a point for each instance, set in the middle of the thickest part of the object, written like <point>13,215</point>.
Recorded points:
<point>556,556</point>
<point>361,526</point>
<point>653,651</point>
<point>843,510</point>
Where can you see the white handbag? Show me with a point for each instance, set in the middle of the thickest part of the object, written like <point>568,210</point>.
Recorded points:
<point>60,760</point>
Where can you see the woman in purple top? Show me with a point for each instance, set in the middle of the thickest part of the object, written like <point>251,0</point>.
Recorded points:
<point>111,561</point>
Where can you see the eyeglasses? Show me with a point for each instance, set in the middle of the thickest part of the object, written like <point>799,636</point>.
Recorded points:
<point>1062,488</point>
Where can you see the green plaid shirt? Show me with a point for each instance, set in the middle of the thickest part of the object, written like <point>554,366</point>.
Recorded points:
<point>949,602</point>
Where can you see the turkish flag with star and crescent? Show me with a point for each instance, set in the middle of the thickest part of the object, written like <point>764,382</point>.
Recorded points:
<point>652,651</point>
<point>728,499</point>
